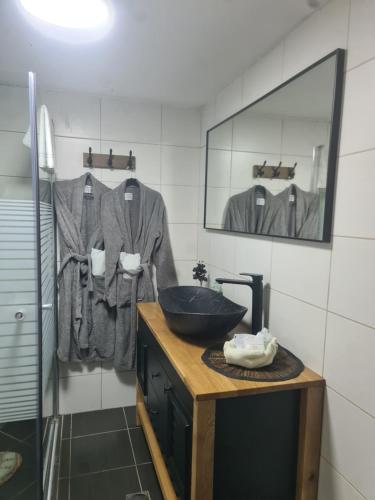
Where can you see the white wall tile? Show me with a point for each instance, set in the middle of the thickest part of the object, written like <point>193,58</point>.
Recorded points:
<point>73,114</point>
<point>184,241</point>
<point>14,108</point>
<point>352,288</point>
<point>229,100</point>
<point>181,203</point>
<point>301,270</point>
<point>361,33</point>
<point>222,251</point>
<point>203,244</point>
<point>264,75</point>
<point>79,369</point>
<point>184,269</point>
<point>348,365</point>
<point>348,442</point>
<point>355,200</point>
<point>118,389</point>
<point>357,121</point>
<point>217,199</point>
<point>333,486</point>
<point>180,126</point>
<point>253,255</point>
<point>321,33</point>
<point>124,120</point>
<point>69,157</point>
<point>299,327</point>
<point>180,165</point>
<point>207,119</point>
<point>15,158</point>
<point>300,136</point>
<point>79,394</point>
<point>221,137</point>
<point>147,167</point>
<point>257,134</point>
<point>219,162</point>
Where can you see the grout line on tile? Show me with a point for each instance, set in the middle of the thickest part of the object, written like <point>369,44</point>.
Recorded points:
<point>367,238</point>
<point>344,477</point>
<point>299,299</point>
<point>131,445</point>
<point>84,474</point>
<point>372,327</point>
<point>359,151</point>
<point>351,402</point>
<point>327,302</point>
<point>16,439</point>
<point>100,433</point>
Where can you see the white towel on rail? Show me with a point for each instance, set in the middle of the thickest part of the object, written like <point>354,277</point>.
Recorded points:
<point>46,148</point>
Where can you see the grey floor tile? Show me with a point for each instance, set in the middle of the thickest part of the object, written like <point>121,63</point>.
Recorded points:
<point>20,430</point>
<point>130,416</point>
<point>63,493</point>
<point>101,452</point>
<point>108,485</point>
<point>140,447</point>
<point>94,422</point>
<point>150,481</point>
<point>65,458</point>
<point>66,426</point>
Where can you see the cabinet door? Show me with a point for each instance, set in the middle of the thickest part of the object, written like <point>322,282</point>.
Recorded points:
<point>179,446</point>
<point>142,362</point>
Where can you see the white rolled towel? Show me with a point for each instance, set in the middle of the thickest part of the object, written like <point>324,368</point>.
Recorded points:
<point>251,353</point>
<point>97,262</point>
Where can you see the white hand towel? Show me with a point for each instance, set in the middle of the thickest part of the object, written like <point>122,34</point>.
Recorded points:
<point>130,262</point>
<point>97,262</point>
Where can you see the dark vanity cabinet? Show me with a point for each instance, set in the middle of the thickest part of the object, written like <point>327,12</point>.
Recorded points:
<point>212,437</point>
<point>169,407</point>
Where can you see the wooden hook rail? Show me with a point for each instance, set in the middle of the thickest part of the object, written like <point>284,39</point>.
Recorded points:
<point>111,161</point>
<point>274,171</point>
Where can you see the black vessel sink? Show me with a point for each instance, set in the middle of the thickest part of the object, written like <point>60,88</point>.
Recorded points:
<point>197,311</point>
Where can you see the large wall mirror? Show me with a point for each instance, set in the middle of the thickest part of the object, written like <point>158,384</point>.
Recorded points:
<point>270,168</point>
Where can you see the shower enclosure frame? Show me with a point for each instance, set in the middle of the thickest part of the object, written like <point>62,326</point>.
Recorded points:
<point>45,459</point>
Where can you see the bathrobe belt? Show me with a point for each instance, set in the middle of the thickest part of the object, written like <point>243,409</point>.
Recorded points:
<point>83,264</point>
<point>135,274</point>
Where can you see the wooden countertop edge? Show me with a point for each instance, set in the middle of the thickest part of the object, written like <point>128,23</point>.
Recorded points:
<point>263,387</point>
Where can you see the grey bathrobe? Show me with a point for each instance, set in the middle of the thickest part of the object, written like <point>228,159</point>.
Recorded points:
<point>86,323</point>
<point>244,215</point>
<point>298,219</point>
<point>134,226</point>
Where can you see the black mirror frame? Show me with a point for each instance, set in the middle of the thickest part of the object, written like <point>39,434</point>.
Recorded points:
<point>333,146</point>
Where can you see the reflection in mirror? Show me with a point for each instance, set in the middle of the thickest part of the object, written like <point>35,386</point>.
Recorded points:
<point>270,167</point>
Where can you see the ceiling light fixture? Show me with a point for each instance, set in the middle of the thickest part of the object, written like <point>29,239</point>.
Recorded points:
<point>72,14</point>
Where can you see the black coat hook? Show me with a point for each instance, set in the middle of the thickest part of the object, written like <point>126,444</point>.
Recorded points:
<point>276,171</point>
<point>291,171</point>
<point>110,158</point>
<point>130,161</point>
<point>89,158</point>
<point>260,169</point>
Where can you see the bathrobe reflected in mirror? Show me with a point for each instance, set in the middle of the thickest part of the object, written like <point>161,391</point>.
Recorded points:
<point>134,223</point>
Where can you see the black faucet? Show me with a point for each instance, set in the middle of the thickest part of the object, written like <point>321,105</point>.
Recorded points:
<point>257,287</point>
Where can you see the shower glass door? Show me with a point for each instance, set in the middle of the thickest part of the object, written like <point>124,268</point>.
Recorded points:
<point>20,424</point>
<point>27,303</point>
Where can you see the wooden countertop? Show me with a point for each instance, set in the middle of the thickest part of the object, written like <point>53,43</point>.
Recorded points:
<point>202,382</point>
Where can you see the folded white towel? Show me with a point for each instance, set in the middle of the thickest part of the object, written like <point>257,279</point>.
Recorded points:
<point>45,140</point>
<point>251,351</point>
<point>97,262</point>
<point>130,262</point>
